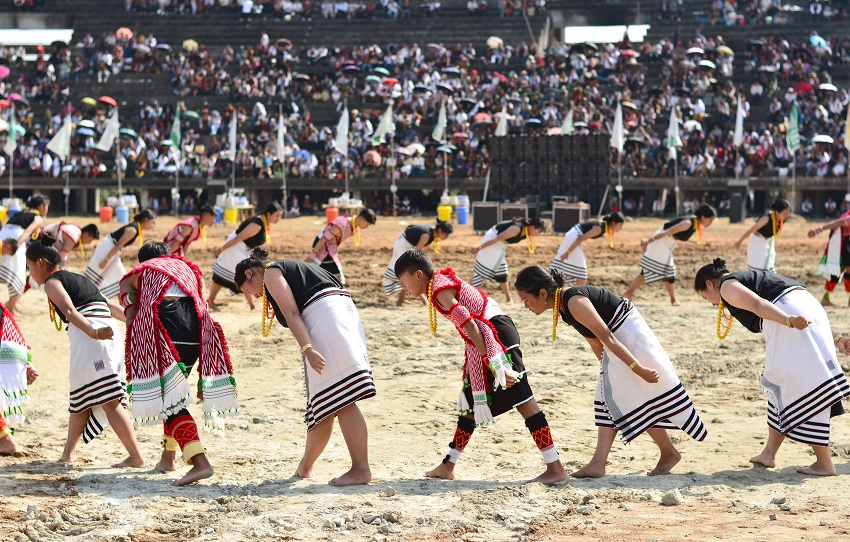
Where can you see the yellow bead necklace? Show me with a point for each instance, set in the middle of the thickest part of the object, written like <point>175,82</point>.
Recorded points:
<point>727,326</point>
<point>556,314</point>
<point>432,310</point>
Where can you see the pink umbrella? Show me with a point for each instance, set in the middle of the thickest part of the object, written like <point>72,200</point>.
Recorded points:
<point>15,96</point>
<point>460,135</point>
<point>4,72</point>
<point>628,53</point>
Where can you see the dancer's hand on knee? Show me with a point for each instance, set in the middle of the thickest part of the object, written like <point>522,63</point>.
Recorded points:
<point>32,374</point>
<point>315,359</point>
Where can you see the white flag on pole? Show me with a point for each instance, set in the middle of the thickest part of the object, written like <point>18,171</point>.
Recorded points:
<point>280,144</point>
<point>341,141</point>
<point>11,135</point>
<point>673,138</point>
<point>739,123</point>
<point>567,127</point>
<point>231,139</point>
<point>61,142</point>
<point>502,127</point>
<point>385,126</point>
<point>109,134</point>
<point>439,133</point>
<point>618,136</point>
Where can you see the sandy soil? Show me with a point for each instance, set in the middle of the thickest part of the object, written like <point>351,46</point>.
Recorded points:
<point>253,497</point>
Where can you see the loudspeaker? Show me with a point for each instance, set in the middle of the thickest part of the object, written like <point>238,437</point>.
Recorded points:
<point>567,215</point>
<point>485,215</point>
<point>511,211</point>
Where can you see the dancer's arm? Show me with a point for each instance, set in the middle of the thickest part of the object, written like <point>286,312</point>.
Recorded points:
<point>678,228</point>
<point>182,232</point>
<point>423,241</point>
<point>331,231</point>
<point>37,221</point>
<point>507,234</point>
<point>122,242</point>
<point>831,225</point>
<point>593,232</point>
<point>742,297</point>
<point>760,223</point>
<point>128,287</point>
<point>249,231</point>
<point>597,347</point>
<point>57,294</point>
<point>68,244</point>
<point>281,292</point>
<point>583,311</point>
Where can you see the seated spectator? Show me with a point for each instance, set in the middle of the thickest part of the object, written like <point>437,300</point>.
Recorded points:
<point>807,208</point>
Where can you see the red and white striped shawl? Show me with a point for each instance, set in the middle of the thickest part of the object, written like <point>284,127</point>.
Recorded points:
<point>331,246</point>
<point>475,301</point>
<point>194,224</point>
<point>148,348</point>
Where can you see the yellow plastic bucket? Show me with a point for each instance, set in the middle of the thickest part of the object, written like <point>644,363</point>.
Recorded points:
<point>231,215</point>
<point>3,214</point>
<point>444,213</point>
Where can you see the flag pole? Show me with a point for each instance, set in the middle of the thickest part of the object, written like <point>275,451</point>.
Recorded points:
<point>345,156</point>
<point>118,160</point>
<point>283,161</point>
<point>67,191</point>
<point>676,187</point>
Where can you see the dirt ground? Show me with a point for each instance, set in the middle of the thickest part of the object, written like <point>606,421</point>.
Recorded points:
<point>254,497</point>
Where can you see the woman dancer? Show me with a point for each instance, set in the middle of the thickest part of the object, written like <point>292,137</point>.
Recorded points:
<point>318,311</point>
<point>326,245</point>
<point>16,373</point>
<point>105,268</point>
<point>252,233</point>
<point>183,234</point>
<point>802,377</point>
<point>490,256</point>
<point>70,236</point>
<point>22,227</point>
<point>836,257</point>
<point>657,262</point>
<point>638,389</point>
<point>417,236</point>
<point>97,353</point>
<point>168,329</point>
<point>761,248</point>
<point>570,260</point>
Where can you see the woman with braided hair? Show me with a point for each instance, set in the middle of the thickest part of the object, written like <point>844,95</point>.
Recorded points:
<point>324,321</point>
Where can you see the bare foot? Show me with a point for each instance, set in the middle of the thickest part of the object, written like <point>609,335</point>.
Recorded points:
<point>132,462</point>
<point>212,307</point>
<point>353,477</point>
<point>826,302</point>
<point>69,458</point>
<point>764,459</point>
<point>666,463</point>
<point>446,471</point>
<point>555,473</point>
<point>816,469</point>
<point>166,462</point>
<point>201,469</point>
<point>675,302</point>
<point>7,445</point>
<point>589,471</point>
<point>17,314</point>
<point>629,295</point>
<point>303,472</point>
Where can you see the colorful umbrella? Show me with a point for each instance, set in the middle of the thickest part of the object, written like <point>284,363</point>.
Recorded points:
<point>351,68</point>
<point>389,81</point>
<point>190,45</point>
<point>820,138</point>
<point>89,101</point>
<point>128,132</point>
<point>381,71</point>
<point>84,132</point>
<point>193,115</point>
<point>495,42</point>
<point>108,100</point>
<point>15,96</point>
<point>124,33</point>
<point>86,123</point>
<point>373,79</point>
<point>723,50</point>
<point>4,72</point>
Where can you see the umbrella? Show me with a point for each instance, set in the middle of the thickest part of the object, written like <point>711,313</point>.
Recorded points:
<point>828,87</point>
<point>124,33</point>
<point>628,53</point>
<point>67,110</point>
<point>629,105</point>
<point>351,68</point>
<point>142,48</point>
<point>446,148</point>
<point>89,101</point>
<point>163,47</point>
<point>166,143</point>
<point>373,79</point>
<point>818,41</point>
<point>434,47</point>
<point>767,69</point>
<point>495,42</point>
<point>823,139</point>
<point>4,104</point>
<point>372,158</point>
<point>190,45</point>
<point>724,50</point>
<point>403,151</point>
<point>86,123</point>
<point>302,77</point>
<point>416,148</point>
<point>468,101</point>
<point>460,135</point>
<point>284,43</point>
<point>445,88</point>
<point>452,70</point>
<point>803,87</point>
<point>554,93</point>
<point>108,100</point>
<point>687,64</point>
<point>382,71</point>
<point>635,141</point>
<point>695,51</point>
<point>84,132</point>
<point>482,118</point>
<point>707,64</point>
<point>389,81</point>
<point>580,124</point>
<point>4,72</point>
<point>420,88</point>
<point>193,115</point>
<point>128,132</point>
<point>3,125</point>
<point>757,43</point>
<point>534,121</point>
<point>18,98</point>
<point>553,131</point>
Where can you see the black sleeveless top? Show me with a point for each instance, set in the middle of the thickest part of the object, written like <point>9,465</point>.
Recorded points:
<point>766,231</point>
<point>412,234</point>
<point>501,227</point>
<point>605,302</point>
<point>23,219</point>
<point>255,240</point>
<point>682,235</point>
<point>305,280</point>
<point>117,234</point>
<point>80,288</point>
<point>766,285</point>
<point>587,226</point>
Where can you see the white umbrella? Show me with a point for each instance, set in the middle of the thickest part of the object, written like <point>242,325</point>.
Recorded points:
<point>495,42</point>
<point>829,87</point>
<point>707,64</point>
<point>692,125</point>
<point>695,51</point>
<point>820,138</point>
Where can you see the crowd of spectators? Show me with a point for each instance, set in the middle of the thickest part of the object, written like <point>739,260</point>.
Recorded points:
<point>478,83</point>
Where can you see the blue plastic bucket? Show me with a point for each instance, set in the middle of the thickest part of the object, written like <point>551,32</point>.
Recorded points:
<point>12,212</point>
<point>462,214</point>
<point>122,214</point>
<point>219,214</point>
